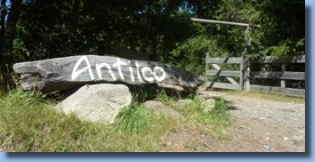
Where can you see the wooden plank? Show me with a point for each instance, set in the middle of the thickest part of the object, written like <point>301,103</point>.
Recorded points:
<point>221,22</point>
<point>224,60</point>
<point>287,75</point>
<point>222,85</point>
<point>284,59</point>
<point>279,90</point>
<point>223,73</point>
<point>231,80</point>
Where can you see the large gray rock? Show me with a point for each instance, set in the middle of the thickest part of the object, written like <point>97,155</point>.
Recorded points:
<point>64,73</point>
<point>160,109</point>
<point>98,102</point>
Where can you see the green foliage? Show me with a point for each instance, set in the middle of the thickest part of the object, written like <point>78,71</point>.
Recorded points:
<point>136,119</point>
<point>163,97</point>
<point>190,55</point>
<point>212,122</point>
<point>217,119</point>
<point>287,47</point>
<point>160,28</point>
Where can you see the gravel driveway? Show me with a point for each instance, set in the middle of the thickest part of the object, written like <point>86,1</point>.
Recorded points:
<point>262,124</point>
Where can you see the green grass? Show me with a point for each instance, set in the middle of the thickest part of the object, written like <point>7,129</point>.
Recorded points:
<point>212,122</point>
<point>30,123</point>
<point>275,97</point>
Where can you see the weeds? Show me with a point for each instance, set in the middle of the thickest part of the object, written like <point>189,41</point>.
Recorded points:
<point>136,119</point>
<point>30,123</point>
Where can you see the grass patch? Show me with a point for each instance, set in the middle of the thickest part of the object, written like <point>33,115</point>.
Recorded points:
<point>215,120</point>
<point>164,98</point>
<point>30,123</point>
<point>137,119</point>
<point>275,97</point>
<point>212,122</point>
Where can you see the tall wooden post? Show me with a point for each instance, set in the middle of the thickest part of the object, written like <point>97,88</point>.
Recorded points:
<point>247,76</point>
<point>207,67</point>
<point>246,62</point>
<point>283,69</point>
<point>242,73</point>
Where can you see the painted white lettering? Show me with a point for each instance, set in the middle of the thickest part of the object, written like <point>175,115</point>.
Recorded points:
<point>143,73</point>
<point>99,72</point>
<point>143,70</point>
<point>118,65</point>
<point>138,73</point>
<point>131,73</point>
<point>76,72</point>
<point>159,78</point>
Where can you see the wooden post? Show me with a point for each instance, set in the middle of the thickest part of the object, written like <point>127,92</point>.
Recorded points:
<point>242,73</point>
<point>283,69</point>
<point>207,66</point>
<point>247,76</point>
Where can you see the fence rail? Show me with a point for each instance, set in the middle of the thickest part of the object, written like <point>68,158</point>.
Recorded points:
<point>245,75</point>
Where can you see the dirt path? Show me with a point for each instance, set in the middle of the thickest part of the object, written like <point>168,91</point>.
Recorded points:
<point>259,125</point>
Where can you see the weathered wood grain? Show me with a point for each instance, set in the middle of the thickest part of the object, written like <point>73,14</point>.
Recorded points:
<point>223,73</point>
<point>224,60</point>
<point>286,75</point>
<point>67,72</point>
<point>279,90</point>
<point>283,59</point>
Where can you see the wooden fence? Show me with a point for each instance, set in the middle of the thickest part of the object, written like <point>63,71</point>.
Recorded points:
<point>245,75</point>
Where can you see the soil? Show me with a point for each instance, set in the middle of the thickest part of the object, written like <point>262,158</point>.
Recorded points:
<point>259,125</point>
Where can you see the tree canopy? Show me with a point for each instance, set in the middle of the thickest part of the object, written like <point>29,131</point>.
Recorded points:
<point>161,29</point>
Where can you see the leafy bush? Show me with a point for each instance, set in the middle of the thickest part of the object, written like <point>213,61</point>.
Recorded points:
<point>190,55</point>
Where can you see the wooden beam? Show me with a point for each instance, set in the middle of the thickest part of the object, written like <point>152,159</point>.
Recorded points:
<point>284,59</point>
<point>279,90</point>
<point>223,73</point>
<point>219,22</point>
<point>224,60</point>
<point>231,80</point>
<point>222,85</point>
<point>287,75</point>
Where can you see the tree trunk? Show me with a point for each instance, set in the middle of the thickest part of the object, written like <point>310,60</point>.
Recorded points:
<point>9,35</point>
<point>10,29</point>
<point>73,26</point>
<point>3,13</point>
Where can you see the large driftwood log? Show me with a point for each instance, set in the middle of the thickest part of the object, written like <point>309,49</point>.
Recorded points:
<point>64,73</point>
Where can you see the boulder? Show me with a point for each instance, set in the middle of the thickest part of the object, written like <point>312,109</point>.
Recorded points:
<point>67,72</point>
<point>161,109</point>
<point>99,103</point>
